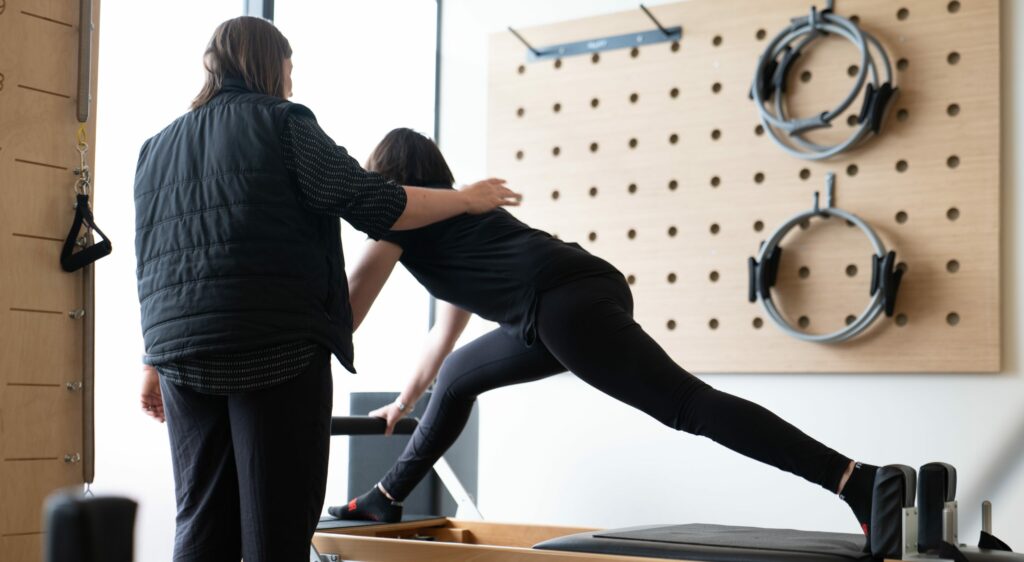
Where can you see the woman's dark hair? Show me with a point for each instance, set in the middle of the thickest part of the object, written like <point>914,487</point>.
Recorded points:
<point>409,158</point>
<point>249,49</point>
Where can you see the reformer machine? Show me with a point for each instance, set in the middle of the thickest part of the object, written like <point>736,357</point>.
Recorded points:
<point>914,518</point>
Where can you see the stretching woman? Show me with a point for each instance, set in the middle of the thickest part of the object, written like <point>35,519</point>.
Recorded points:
<point>559,309</point>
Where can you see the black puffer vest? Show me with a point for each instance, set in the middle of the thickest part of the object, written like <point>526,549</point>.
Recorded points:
<point>228,258</point>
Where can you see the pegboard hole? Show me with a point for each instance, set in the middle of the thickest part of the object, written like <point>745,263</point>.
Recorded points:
<point>759,177</point>
<point>631,233</point>
<point>952,266</point>
<point>804,272</point>
<point>902,115</point>
<point>757,323</point>
<point>633,142</point>
<point>852,70</point>
<point>952,319</point>
<point>634,97</point>
<point>672,231</point>
<point>901,217</point>
<point>850,319</point>
<point>556,151</point>
<point>953,7</point>
<point>713,323</point>
<point>953,161</point>
<point>632,188</point>
<point>671,278</point>
<point>671,324</point>
<point>851,270</point>
<point>953,110</point>
<point>758,226</point>
<point>803,322</point>
<point>631,279</point>
<point>592,237</point>
<point>520,112</point>
<point>557,107</point>
<point>594,147</point>
<point>850,224</point>
<point>953,58</point>
<point>594,103</point>
<point>595,58</point>
<point>715,181</point>
<point>901,166</point>
<point>593,192</point>
<point>902,64</point>
<point>634,52</point>
<point>852,170</point>
<point>673,185</point>
<point>716,40</point>
<point>716,87</point>
<point>902,14</point>
<point>953,213</point>
<point>805,224</point>
<point>759,130</point>
<point>852,120</point>
<point>805,76</point>
<point>673,93</point>
<point>555,195</point>
<point>675,46</point>
<point>901,319</point>
<point>558,63</point>
<point>902,266</point>
<point>673,138</point>
<point>521,69</point>
<point>715,229</point>
<point>855,18</point>
<point>760,35</point>
<point>805,173</point>
<point>713,276</point>
<point>716,134</point>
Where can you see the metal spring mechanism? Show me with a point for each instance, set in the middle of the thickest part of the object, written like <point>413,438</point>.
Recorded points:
<point>770,82</point>
<point>885,277</point>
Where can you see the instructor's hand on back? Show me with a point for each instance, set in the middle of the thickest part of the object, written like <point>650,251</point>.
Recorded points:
<point>489,194</point>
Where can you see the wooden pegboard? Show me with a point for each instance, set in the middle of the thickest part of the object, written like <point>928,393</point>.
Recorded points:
<point>652,160</point>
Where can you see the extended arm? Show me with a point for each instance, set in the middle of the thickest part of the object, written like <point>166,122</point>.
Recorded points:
<point>451,322</point>
<point>368,278</point>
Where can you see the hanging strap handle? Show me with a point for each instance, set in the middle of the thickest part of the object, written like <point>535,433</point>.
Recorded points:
<point>73,261</point>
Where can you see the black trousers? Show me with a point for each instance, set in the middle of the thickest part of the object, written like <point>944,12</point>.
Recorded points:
<point>587,327</point>
<point>250,469</point>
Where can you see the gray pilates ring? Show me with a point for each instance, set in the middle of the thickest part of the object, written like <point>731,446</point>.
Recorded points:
<point>874,308</point>
<point>788,132</point>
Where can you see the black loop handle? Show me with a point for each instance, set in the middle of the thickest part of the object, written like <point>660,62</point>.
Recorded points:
<point>370,425</point>
<point>73,261</point>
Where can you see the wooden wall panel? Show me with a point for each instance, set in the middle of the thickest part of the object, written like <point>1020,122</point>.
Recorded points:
<point>681,219</point>
<point>41,345</point>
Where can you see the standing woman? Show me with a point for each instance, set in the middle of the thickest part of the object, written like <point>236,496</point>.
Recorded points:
<point>244,298</point>
<point>559,309</point>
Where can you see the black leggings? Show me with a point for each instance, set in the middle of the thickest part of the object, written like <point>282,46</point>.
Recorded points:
<point>587,327</point>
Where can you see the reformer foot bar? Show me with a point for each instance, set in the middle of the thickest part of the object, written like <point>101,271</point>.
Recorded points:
<point>913,519</point>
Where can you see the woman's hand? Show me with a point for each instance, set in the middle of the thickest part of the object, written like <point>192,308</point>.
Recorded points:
<point>489,194</point>
<point>152,401</point>
<point>391,413</point>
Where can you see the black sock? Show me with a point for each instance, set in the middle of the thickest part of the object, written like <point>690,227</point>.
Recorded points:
<point>371,506</point>
<point>858,493</point>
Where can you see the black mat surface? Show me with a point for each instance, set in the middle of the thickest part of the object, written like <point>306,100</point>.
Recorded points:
<point>716,543</point>
<point>328,522</point>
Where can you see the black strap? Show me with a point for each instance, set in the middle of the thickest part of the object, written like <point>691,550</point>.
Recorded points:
<point>69,259</point>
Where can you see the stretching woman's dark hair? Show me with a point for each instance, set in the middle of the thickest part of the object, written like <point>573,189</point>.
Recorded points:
<point>569,311</point>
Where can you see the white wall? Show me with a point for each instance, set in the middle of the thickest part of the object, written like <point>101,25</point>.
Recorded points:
<point>559,452</point>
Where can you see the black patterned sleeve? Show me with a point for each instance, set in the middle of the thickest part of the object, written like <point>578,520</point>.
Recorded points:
<point>331,182</point>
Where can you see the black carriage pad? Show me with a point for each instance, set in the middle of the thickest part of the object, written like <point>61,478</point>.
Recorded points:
<point>327,522</point>
<point>716,543</point>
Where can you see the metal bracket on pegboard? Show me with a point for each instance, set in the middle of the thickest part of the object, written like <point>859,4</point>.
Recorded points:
<point>625,41</point>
